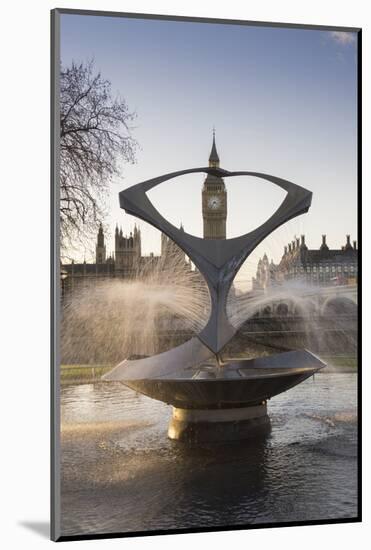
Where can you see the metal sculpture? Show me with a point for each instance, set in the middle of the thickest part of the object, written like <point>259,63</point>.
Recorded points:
<point>182,376</point>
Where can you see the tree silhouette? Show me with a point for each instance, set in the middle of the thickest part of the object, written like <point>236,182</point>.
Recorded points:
<point>95,139</point>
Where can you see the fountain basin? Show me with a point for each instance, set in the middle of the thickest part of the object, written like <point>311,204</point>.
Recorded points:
<point>190,377</point>
<point>247,387</point>
<point>219,402</point>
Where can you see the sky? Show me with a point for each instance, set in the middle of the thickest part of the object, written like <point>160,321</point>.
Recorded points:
<point>283,102</point>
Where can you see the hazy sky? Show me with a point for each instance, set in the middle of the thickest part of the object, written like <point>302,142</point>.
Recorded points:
<point>283,102</point>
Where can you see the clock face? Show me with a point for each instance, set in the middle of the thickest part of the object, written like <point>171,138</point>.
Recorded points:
<point>214,203</point>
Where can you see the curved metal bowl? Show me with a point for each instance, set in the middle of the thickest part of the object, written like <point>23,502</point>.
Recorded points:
<point>207,385</point>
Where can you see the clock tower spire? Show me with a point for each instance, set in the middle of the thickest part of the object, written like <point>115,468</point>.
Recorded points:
<point>214,157</point>
<point>214,200</point>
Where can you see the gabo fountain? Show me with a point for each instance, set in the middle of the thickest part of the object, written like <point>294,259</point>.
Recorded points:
<point>214,399</point>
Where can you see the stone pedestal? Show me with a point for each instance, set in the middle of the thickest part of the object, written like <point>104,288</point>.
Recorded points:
<point>196,425</point>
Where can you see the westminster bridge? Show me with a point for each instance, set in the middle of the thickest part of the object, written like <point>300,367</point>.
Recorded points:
<point>324,321</point>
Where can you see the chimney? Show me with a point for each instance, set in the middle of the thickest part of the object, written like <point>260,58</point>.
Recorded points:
<point>289,247</point>
<point>303,246</point>
<point>293,245</point>
<point>324,244</point>
<point>355,245</point>
<point>297,243</point>
<point>285,249</point>
<point>348,246</point>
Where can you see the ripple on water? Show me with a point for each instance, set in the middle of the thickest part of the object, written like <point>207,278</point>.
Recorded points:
<point>120,472</point>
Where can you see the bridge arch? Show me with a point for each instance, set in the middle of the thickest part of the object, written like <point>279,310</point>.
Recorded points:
<point>282,309</point>
<point>339,306</point>
<point>306,307</point>
<point>267,311</point>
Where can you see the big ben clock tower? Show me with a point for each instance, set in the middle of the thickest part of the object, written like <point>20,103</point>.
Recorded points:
<point>214,201</point>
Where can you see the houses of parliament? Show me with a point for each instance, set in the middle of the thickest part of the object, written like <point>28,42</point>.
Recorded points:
<point>127,261</point>
<point>322,266</point>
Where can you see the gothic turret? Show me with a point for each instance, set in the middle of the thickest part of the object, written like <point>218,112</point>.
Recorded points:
<point>100,249</point>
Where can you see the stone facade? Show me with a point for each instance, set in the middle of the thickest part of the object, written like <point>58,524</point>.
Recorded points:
<point>128,252</point>
<point>127,260</point>
<point>266,274</point>
<point>214,201</point>
<point>323,266</point>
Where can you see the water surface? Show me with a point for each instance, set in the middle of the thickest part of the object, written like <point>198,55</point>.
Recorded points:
<point>120,472</point>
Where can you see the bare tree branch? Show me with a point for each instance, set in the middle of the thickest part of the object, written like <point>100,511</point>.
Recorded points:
<point>95,138</point>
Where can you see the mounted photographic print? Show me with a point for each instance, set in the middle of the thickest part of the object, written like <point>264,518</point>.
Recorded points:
<point>205,195</point>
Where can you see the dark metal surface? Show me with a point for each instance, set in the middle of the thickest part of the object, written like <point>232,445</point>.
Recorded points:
<point>207,385</point>
<point>217,259</point>
<point>180,358</point>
